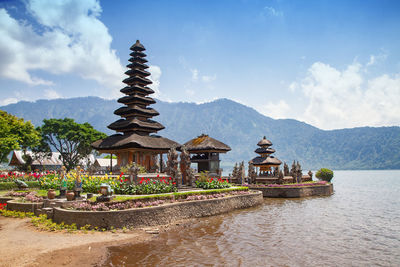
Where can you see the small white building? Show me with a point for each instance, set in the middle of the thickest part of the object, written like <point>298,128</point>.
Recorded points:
<point>51,163</point>
<point>104,164</point>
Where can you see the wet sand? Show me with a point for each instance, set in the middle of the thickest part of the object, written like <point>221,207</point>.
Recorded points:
<point>23,245</point>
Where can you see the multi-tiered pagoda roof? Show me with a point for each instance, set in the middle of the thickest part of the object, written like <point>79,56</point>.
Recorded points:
<point>136,122</point>
<point>265,152</point>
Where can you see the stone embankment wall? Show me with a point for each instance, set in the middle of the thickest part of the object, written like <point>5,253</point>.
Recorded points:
<point>159,215</point>
<point>24,207</point>
<point>292,192</point>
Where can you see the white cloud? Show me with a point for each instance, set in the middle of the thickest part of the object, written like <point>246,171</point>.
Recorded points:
<point>70,38</point>
<point>277,110</point>
<point>155,78</point>
<point>293,86</point>
<point>190,92</point>
<point>374,59</point>
<point>273,12</point>
<point>195,74</point>
<point>8,101</point>
<point>341,99</point>
<point>51,94</point>
<point>208,79</point>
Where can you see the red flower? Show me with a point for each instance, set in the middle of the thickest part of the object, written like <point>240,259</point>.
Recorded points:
<point>173,183</point>
<point>158,175</point>
<point>141,181</point>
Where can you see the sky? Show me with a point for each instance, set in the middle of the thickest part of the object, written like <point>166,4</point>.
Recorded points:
<point>332,64</point>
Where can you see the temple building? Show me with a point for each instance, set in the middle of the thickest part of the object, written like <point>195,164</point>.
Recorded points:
<point>206,152</point>
<point>135,140</point>
<point>267,165</point>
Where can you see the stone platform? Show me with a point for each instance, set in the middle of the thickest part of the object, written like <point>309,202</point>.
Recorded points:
<point>295,192</point>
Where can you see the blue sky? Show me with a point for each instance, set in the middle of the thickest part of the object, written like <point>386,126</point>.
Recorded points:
<point>333,64</point>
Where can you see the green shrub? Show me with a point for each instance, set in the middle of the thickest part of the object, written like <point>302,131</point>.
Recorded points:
<point>324,174</point>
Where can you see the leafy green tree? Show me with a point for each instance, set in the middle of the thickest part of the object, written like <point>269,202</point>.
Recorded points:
<point>15,133</point>
<point>71,139</point>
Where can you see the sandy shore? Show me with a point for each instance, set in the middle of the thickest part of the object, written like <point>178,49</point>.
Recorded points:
<point>21,244</point>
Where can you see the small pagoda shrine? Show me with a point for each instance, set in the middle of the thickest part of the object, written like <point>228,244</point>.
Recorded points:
<point>134,141</point>
<point>268,166</point>
<point>205,152</point>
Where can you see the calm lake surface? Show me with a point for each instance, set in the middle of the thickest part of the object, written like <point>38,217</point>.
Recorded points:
<point>358,226</point>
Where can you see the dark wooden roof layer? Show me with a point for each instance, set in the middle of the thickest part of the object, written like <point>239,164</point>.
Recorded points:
<point>137,80</point>
<point>264,142</point>
<point>271,160</point>
<point>137,46</point>
<point>264,150</point>
<point>206,143</point>
<point>132,72</point>
<point>129,90</point>
<point>136,110</point>
<point>133,140</point>
<point>136,99</point>
<point>124,125</point>
<point>137,65</point>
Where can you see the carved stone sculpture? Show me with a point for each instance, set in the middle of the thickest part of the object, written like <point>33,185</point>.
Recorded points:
<point>172,165</point>
<point>252,173</point>
<point>285,169</point>
<point>185,164</point>
<point>280,177</point>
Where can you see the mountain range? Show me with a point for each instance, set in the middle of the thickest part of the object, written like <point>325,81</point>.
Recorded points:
<point>240,127</point>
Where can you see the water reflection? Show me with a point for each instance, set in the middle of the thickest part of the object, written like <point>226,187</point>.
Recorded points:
<point>358,226</point>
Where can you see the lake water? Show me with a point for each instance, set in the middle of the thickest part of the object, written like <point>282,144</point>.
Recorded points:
<point>357,226</point>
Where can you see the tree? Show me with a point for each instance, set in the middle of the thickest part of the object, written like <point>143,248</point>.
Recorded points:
<point>324,174</point>
<point>15,133</point>
<point>41,151</point>
<point>71,139</point>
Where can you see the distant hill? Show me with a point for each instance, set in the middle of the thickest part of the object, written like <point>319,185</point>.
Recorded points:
<point>240,127</point>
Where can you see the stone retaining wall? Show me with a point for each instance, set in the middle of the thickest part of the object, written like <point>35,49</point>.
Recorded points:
<point>291,192</point>
<point>24,207</point>
<point>4,200</point>
<point>164,214</point>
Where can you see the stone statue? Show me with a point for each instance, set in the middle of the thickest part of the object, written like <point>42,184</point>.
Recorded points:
<point>133,173</point>
<point>299,174</point>
<point>190,176</point>
<point>185,164</point>
<point>64,181</point>
<point>241,173</point>
<point>293,169</point>
<point>310,174</point>
<point>78,182</point>
<point>235,171</point>
<point>280,177</point>
<point>172,166</point>
<point>21,184</point>
<point>285,169</point>
<point>252,173</point>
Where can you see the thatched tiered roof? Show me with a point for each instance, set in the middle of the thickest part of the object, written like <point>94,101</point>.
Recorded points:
<point>119,141</point>
<point>204,143</point>
<point>264,150</point>
<point>135,114</point>
<point>136,124</point>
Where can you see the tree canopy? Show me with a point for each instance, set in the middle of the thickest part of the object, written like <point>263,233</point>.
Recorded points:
<point>15,133</point>
<point>71,139</point>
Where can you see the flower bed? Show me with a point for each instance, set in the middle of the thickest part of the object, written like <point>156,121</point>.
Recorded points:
<point>153,201</point>
<point>119,184</point>
<point>212,183</point>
